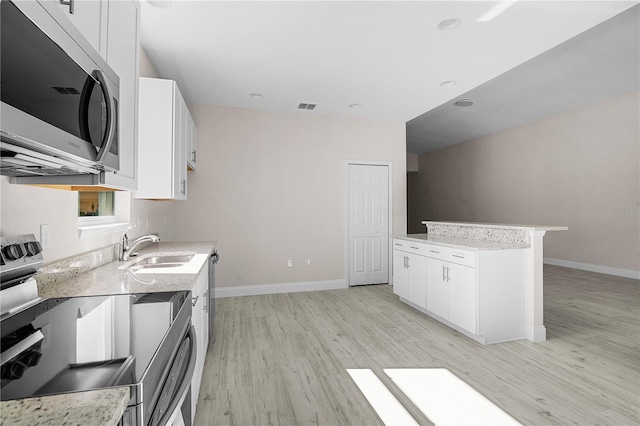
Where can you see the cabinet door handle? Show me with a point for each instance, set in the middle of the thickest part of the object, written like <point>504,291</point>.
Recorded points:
<point>448,270</point>
<point>193,155</point>
<point>434,251</point>
<point>415,248</point>
<point>68,3</point>
<point>458,256</point>
<point>204,302</point>
<point>408,264</point>
<point>183,187</point>
<point>444,276</point>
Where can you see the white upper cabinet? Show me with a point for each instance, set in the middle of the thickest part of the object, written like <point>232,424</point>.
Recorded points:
<point>90,17</point>
<point>163,134</point>
<point>122,55</point>
<point>192,146</point>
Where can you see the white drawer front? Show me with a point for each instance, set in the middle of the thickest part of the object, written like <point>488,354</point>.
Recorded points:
<point>410,246</point>
<point>448,254</point>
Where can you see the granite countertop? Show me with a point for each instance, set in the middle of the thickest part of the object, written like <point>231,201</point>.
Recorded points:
<point>501,226</point>
<point>459,242</point>
<point>99,407</point>
<point>78,276</point>
<point>58,280</point>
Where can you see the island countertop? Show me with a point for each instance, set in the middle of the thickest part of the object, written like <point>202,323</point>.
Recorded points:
<point>459,242</point>
<point>499,226</point>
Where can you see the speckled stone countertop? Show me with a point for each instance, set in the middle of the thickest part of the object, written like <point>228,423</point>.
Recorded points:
<point>75,277</point>
<point>100,407</point>
<point>58,280</point>
<point>484,236</point>
<point>459,242</point>
<point>500,226</point>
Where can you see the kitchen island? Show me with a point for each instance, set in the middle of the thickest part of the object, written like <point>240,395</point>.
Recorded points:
<point>484,280</point>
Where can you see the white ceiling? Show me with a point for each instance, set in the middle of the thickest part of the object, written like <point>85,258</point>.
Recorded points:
<point>387,56</point>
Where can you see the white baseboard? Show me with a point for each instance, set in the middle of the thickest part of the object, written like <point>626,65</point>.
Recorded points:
<point>253,290</point>
<point>537,333</point>
<point>627,273</point>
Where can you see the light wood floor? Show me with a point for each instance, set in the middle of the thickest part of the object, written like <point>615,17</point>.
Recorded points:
<point>282,359</point>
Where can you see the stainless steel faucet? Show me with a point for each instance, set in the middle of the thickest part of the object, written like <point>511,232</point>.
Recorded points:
<point>127,248</point>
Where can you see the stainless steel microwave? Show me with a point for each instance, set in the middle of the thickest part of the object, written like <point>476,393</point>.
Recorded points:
<point>59,109</point>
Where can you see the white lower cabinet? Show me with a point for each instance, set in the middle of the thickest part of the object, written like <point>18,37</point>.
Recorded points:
<point>401,278</point>
<point>480,293</point>
<point>463,299</point>
<point>410,274</point>
<point>437,288</point>
<point>451,293</point>
<point>200,321</point>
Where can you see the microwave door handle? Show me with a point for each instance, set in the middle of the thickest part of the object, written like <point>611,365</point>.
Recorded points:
<point>111,111</point>
<point>185,386</point>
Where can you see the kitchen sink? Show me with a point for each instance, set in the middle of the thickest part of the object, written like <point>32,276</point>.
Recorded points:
<point>169,263</point>
<point>161,261</point>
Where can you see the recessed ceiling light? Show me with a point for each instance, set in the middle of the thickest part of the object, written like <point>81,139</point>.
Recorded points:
<point>354,105</point>
<point>448,83</point>
<point>162,4</point>
<point>256,96</point>
<point>449,24</point>
<point>464,103</point>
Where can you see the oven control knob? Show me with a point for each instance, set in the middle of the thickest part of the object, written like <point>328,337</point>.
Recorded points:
<point>13,252</point>
<point>31,358</point>
<point>14,371</point>
<point>33,248</point>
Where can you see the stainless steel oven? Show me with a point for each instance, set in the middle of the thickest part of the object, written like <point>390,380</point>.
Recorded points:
<point>64,345</point>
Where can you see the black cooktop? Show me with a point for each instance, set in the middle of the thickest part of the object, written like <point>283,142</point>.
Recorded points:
<point>83,343</point>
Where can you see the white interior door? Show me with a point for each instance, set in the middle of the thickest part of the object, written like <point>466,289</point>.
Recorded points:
<point>368,224</point>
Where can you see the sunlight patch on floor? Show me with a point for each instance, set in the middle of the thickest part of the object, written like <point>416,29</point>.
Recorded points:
<point>390,411</point>
<point>446,399</point>
<point>443,398</point>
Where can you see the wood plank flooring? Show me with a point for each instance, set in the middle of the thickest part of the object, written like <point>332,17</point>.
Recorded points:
<point>282,358</point>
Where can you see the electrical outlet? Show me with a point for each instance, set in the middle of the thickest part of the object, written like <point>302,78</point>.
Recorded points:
<point>308,262</point>
<point>289,263</point>
<point>140,223</point>
<point>45,236</point>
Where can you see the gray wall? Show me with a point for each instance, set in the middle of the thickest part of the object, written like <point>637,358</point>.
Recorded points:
<point>578,169</point>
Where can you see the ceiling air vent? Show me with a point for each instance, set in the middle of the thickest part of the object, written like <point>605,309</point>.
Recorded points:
<point>307,106</point>
<point>66,90</point>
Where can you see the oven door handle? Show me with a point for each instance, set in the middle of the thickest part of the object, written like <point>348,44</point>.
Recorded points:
<point>21,346</point>
<point>184,387</point>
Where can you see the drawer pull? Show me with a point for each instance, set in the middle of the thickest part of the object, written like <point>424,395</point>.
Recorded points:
<point>458,256</point>
<point>434,251</point>
<point>397,244</point>
<point>415,248</point>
